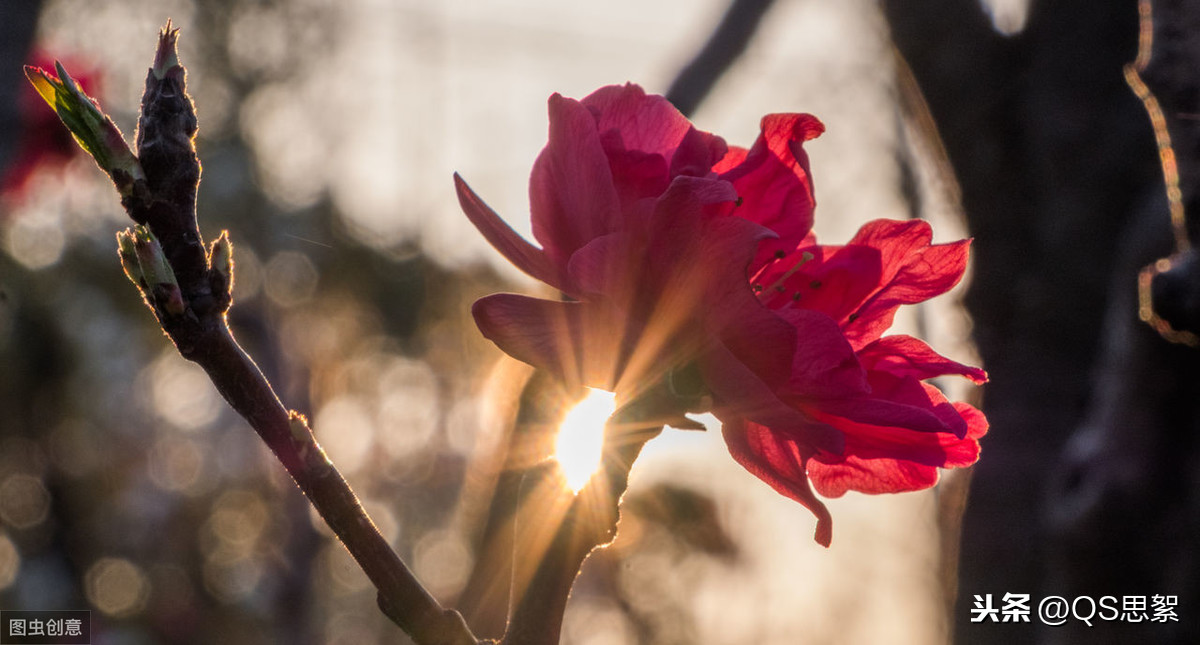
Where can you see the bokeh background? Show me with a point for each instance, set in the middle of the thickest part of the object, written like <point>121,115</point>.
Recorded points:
<point>328,135</point>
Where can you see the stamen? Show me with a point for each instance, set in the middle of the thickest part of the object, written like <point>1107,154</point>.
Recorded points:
<point>805,257</point>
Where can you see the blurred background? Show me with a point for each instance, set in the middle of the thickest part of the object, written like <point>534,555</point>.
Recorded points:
<point>328,136</point>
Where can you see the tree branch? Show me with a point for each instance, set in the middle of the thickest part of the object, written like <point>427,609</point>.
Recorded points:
<point>726,43</point>
<point>1164,77</point>
<point>189,290</point>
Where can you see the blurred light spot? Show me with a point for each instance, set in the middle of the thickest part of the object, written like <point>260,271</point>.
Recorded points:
<point>233,580</point>
<point>643,577</point>
<point>343,571</point>
<point>344,427</point>
<point>581,437</point>
<point>442,560</point>
<point>10,562</point>
<point>237,521</point>
<point>290,278</point>
<point>463,427</point>
<point>75,448</point>
<point>34,240</point>
<point>351,628</point>
<point>176,464</point>
<point>409,406</point>
<point>18,454</point>
<point>1008,16</point>
<point>24,501</point>
<point>182,394</point>
<point>286,138</point>
<point>597,622</point>
<point>116,587</point>
<point>257,40</point>
<point>313,335</point>
<point>214,103</point>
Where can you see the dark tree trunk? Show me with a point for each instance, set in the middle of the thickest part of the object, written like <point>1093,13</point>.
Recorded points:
<point>1083,488</point>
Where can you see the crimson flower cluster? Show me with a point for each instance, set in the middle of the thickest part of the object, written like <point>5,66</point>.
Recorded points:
<point>689,267</point>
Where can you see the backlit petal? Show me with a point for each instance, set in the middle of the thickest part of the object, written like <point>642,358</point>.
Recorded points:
<point>775,183</point>
<point>511,245</point>
<point>780,462</point>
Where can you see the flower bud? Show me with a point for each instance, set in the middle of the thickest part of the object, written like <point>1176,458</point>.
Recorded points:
<point>165,57</point>
<point>93,129</point>
<point>166,129</point>
<point>129,260</point>
<point>154,266</point>
<point>169,297</point>
<point>220,259</point>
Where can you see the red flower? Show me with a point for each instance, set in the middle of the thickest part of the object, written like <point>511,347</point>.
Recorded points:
<point>890,436</point>
<point>651,227</point>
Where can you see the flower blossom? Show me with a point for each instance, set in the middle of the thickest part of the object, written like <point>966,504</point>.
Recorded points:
<point>691,275</point>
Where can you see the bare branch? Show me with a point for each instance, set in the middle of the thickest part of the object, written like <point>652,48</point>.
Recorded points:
<point>188,287</point>
<point>726,43</point>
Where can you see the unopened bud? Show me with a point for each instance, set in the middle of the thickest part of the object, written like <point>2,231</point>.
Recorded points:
<point>220,258</point>
<point>155,268</point>
<point>299,426</point>
<point>169,297</point>
<point>129,260</point>
<point>166,57</point>
<point>93,129</point>
<point>166,128</point>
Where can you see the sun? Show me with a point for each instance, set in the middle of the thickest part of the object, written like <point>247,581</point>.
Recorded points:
<point>581,437</point>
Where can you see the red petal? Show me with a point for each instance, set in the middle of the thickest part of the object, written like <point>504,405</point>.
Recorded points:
<point>912,271</point>
<point>577,341</point>
<point>823,364</point>
<point>833,475</point>
<point>943,449</point>
<point>636,175</point>
<point>648,123</point>
<point>571,194</point>
<point>732,159</point>
<point>598,266</point>
<point>780,463</point>
<point>910,357</point>
<point>870,411</point>
<point>977,426</point>
<point>871,476</point>
<point>697,153</point>
<point>740,394</point>
<point>775,183</point>
<point>500,235</point>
